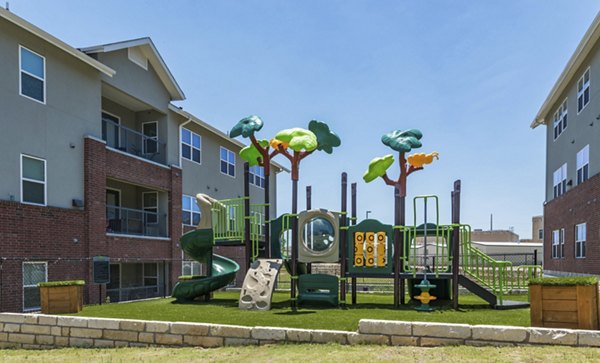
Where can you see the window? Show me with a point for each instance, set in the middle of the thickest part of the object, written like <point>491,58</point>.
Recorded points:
<point>560,120</point>
<point>191,145</point>
<point>558,243</point>
<point>583,91</point>
<point>191,211</point>
<point>191,268</point>
<point>583,164</point>
<point>32,81</point>
<point>33,272</point>
<point>150,207</point>
<point>150,131</point>
<point>580,237</point>
<point>227,162</point>
<point>151,275</point>
<point>33,180</point>
<point>110,129</point>
<point>560,181</point>
<point>541,233</point>
<point>257,176</point>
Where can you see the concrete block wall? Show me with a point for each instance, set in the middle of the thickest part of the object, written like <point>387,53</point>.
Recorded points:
<point>49,331</point>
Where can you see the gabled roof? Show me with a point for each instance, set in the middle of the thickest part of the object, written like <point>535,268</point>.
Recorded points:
<point>583,50</point>
<point>216,131</point>
<point>25,25</point>
<point>150,51</point>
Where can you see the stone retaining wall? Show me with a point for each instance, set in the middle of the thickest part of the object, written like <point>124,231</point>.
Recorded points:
<point>49,331</point>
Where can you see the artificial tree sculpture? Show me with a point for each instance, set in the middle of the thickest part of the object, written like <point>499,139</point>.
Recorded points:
<point>295,144</point>
<point>402,142</point>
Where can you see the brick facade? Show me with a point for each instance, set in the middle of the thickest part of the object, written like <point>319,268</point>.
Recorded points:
<point>581,204</point>
<point>67,239</point>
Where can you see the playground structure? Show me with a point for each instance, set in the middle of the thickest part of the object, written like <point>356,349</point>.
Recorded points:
<point>367,249</point>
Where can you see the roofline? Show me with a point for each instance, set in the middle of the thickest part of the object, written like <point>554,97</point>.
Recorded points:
<point>586,44</point>
<point>177,93</point>
<point>22,23</point>
<point>216,131</point>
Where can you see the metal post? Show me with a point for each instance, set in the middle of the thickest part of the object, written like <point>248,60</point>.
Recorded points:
<point>247,240</point>
<point>294,244</point>
<point>399,220</point>
<point>455,242</point>
<point>309,228</point>
<point>353,221</point>
<point>343,232</point>
<point>267,198</point>
<point>535,257</point>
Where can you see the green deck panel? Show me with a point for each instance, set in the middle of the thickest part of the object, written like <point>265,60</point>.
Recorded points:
<point>318,288</point>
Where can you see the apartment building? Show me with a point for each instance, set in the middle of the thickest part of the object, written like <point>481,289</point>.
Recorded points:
<point>98,161</point>
<point>571,114</point>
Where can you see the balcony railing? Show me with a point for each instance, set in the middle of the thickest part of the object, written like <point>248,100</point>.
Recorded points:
<point>137,222</point>
<point>133,142</point>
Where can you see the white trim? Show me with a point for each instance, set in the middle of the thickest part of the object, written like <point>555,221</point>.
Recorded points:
<point>558,117</point>
<point>582,242</point>
<point>137,237</point>
<point>133,59</point>
<point>32,180</point>
<point>583,89</point>
<point>32,75</point>
<point>227,161</point>
<point>20,22</point>
<point>23,282</point>
<point>191,211</point>
<point>138,157</point>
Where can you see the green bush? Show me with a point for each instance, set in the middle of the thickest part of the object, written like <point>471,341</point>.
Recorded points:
<point>564,281</point>
<point>61,283</point>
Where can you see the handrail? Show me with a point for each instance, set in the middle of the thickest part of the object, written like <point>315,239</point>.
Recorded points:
<point>121,220</point>
<point>133,142</point>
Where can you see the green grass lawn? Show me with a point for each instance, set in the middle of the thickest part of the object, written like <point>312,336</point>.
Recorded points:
<point>309,353</point>
<point>223,309</point>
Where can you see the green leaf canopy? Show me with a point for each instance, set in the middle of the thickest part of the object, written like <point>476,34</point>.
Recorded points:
<point>246,127</point>
<point>251,154</point>
<point>403,141</point>
<point>378,167</point>
<point>326,138</point>
<point>298,139</point>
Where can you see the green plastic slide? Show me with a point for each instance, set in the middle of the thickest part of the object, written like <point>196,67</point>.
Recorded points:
<point>198,245</point>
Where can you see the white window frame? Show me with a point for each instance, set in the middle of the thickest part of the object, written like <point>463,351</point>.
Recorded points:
<point>45,263</point>
<point>585,86</point>
<point>45,182</point>
<point>144,207</point>
<point>155,138</point>
<point>558,243</point>
<point>559,186</point>
<point>229,152</point>
<point>181,143</point>
<point>583,161</point>
<point>32,75</point>
<point>191,211</point>
<point>560,119</point>
<point>254,176</point>
<point>580,239</point>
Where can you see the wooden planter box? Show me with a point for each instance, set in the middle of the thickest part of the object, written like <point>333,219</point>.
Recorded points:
<point>61,299</point>
<point>572,307</point>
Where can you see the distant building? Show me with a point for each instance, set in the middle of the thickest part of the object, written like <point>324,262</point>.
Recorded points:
<point>571,114</point>
<point>494,236</point>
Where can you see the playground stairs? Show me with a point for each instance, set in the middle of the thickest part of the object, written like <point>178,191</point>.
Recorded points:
<point>488,295</point>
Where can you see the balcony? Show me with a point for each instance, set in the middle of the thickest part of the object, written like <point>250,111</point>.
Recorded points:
<point>133,142</point>
<point>134,222</point>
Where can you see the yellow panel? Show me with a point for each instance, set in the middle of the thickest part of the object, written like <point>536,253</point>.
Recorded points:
<point>370,250</point>
<point>359,259</point>
<point>381,260</point>
<point>359,237</point>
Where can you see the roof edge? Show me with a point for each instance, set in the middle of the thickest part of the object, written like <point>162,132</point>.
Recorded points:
<point>24,24</point>
<point>216,131</point>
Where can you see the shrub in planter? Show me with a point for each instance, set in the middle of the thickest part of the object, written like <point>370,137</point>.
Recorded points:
<point>564,302</point>
<point>61,297</point>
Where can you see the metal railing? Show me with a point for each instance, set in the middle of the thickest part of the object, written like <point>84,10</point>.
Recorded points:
<point>134,293</point>
<point>134,222</point>
<point>133,142</point>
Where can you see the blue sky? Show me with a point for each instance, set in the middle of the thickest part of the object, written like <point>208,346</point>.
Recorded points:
<point>470,74</point>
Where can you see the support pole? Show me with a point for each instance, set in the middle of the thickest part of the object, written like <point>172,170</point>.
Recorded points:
<point>294,261</point>
<point>309,232</point>
<point>247,241</point>
<point>455,242</point>
<point>343,232</point>
<point>353,222</point>
<point>267,231</point>
<point>399,220</point>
